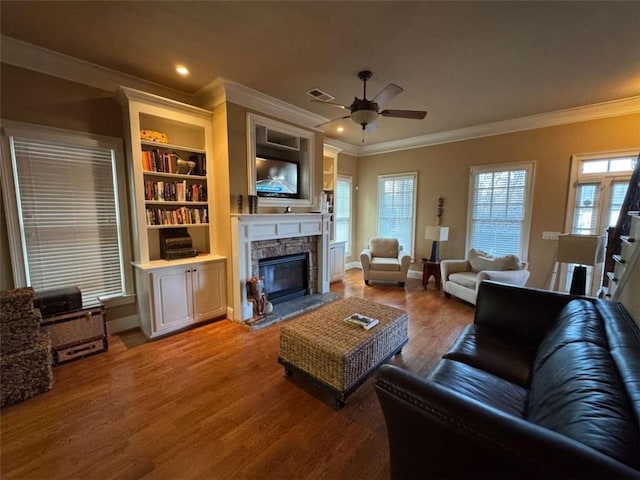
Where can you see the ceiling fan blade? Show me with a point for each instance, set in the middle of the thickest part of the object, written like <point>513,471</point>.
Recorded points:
<point>387,93</point>
<point>339,105</point>
<point>414,114</point>
<point>340,118</point>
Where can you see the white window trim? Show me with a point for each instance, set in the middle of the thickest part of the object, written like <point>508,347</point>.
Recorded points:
<point>526,230</point>
<point>577,178</point>
<point>51,134</point>
<point>349,179</point>
<point>414,174</point>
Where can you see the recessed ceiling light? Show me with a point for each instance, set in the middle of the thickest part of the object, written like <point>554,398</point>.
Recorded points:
<point>340,129</point>
<point>182,70</point>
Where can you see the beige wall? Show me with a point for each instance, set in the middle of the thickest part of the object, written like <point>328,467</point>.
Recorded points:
<point>443,170</point>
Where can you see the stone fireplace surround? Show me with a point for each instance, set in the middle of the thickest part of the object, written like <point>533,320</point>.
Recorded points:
<point>255,236</point>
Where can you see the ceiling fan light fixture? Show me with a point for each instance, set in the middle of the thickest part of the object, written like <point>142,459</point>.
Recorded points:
<point>364,117</point>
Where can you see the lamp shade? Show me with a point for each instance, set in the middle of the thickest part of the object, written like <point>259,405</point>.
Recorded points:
<point>436,233</point>
<point>581,249</point>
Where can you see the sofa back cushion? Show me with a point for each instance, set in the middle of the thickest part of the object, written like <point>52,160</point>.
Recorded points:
<point>480,261</point>
<point>578,393</point>
<point>384,247</point>
<point>577,321</point>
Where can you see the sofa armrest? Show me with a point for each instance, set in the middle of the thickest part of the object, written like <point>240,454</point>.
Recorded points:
<point>513,277</point>
<point>526,313</point>
<point>404,258</point>
<point>435,432</point>
<point>447,267</point>
<point>365,259</point>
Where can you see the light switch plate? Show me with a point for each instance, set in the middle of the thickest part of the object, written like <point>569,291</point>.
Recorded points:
<point>550,235</point>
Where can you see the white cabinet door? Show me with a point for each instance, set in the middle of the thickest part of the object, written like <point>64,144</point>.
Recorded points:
<point>209,290</point>
<point>173,299</point>
<point>336,261</point>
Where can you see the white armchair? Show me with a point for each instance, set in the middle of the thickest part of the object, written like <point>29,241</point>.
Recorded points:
<point>385,260</point>
<point>461,278</point>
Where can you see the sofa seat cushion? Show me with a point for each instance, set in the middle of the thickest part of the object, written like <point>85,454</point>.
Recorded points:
<point>480,261</point>
<point>487,348</point>
<point>465,279</point>
<point>578,321</point>
<point>578,393</point>
<point>481,386</point>
<point>385,264</point>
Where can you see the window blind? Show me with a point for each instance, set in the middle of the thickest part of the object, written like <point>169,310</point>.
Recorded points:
<point>396,208</point>
<point>68,217</point>
<point>342,215</point>
<point>499,210</point>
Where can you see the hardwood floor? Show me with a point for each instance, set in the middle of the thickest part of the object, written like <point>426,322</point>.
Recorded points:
<point>213,403</point>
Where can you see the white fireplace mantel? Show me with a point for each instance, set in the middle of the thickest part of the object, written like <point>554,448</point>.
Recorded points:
<point>253,227</point>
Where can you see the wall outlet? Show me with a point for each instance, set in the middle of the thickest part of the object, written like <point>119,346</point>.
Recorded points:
<point>550,235</point>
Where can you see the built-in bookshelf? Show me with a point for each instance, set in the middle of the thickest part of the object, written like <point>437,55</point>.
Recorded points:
<point>170,181</point>
<point>169,150</point>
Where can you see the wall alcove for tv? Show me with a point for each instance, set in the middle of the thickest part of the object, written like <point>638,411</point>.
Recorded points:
<point>279,163</point>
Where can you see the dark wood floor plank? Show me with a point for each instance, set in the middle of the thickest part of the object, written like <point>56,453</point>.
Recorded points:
<point>213,403</point>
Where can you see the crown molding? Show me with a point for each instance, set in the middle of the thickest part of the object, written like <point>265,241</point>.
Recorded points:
<point>340,147</point>
<point>25,55</point>
<point>222,89</point>
<point>614,108</point>
<point>32,57</point>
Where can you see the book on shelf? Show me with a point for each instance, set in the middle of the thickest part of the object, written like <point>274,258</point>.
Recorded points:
<point>362,321</point>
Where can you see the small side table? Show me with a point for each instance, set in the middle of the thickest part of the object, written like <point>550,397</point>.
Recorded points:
<point>428,269</point>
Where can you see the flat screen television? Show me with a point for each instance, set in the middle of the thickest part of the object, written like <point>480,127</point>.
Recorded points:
<point>276,178</point>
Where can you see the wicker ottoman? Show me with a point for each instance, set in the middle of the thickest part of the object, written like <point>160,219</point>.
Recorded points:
<point>337,355</point>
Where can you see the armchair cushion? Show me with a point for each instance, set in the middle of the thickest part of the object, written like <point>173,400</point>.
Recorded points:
<point>466,279</point>
<point>385,264</point>
<point>384,247</point>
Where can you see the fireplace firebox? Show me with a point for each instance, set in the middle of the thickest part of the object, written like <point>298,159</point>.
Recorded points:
<point>285,277</point>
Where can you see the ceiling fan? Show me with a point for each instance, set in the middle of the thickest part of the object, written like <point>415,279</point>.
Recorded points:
<point>364,112</point>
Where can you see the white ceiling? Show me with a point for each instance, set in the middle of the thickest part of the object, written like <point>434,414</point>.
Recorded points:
<point>467,63</point>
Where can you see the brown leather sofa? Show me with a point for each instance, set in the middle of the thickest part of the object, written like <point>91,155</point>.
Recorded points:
<point>541,385</point>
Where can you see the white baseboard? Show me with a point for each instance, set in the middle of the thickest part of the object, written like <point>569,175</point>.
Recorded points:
<point>122,324</point>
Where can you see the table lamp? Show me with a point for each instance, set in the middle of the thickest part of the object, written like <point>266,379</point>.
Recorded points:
<point>436,234</point>
<point>581,250</point>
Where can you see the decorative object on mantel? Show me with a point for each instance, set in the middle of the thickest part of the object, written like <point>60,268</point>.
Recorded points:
<point>253,203</point>
<point>287,209</point>
<point>239,202</point>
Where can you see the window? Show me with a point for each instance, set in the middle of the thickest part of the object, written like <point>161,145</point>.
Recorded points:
<point>342,215</point>
<point>600,183</point>
<point>500,209</point>
<point>65,222</point>
<point>397,208</point>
